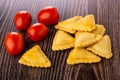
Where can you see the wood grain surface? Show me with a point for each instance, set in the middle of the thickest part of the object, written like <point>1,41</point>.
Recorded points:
<point>106,12</point>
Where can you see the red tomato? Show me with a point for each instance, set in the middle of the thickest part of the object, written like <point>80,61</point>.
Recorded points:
<point>37,31</point>
<point>48,15</point>
<point>22,20</point>
<point>14,43</point>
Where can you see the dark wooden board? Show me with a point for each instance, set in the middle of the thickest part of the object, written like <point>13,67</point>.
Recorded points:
<point>106,12</point>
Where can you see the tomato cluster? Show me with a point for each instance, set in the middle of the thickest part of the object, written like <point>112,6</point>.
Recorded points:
<point>14,41</point>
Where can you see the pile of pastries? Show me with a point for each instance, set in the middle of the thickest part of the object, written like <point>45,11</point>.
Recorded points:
<point>87,40</point>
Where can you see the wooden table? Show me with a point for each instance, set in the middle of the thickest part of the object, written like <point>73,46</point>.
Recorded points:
<point>106,12</point>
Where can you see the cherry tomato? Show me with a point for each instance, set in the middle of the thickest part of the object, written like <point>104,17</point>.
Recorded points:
<point>22,20</point>
<point>37,31</point>
<point>48,15</point>
<point>14,43</point>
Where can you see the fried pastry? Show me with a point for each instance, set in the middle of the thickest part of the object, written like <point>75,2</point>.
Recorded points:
<point>87,23</point>
<point>62,40</point>
<point>85,39</point>
<point>81,55</point>
<point>64,25</point>
<point>100,29</point>
<point>35,57</point>
<point>102,48</point>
